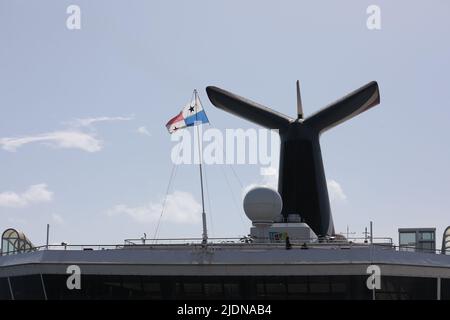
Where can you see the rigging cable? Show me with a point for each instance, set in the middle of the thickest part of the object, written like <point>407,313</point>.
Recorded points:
<point>237,177</point>
<point>233,196</point>
<point>172,176</point>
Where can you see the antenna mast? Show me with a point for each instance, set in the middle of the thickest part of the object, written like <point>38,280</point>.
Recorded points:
<point>299,102</point>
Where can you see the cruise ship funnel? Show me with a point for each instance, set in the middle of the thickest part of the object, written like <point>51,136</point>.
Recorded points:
<point>302,183</point>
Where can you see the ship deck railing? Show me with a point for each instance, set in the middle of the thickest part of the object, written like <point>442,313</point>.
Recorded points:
<point>232,243</point>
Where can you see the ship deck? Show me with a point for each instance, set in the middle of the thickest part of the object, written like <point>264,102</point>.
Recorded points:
<point>227,259</point>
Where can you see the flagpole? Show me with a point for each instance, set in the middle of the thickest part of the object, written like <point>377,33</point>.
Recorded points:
<point>205,230</point>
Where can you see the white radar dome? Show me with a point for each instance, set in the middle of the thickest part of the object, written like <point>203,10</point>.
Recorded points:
<point>262,205</point>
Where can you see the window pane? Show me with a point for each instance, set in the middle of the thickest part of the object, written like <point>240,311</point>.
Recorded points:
<point>132,287</point>
<point>297,288</point>
<point>275,288</point>
<point>427,246</point>
<point>408,238</point>
<point>152,287</point>
<point>192,288</point>
<point>56,288</point>
<point>338,287</point>
<point>445,289</point>
<point>319,284</point>
<point>260,291</point>
<point>27,287</point>
<point>213,289</point>
<point>231,290</point>
<point>5,294</point>
<point>427,235</point>
<point>319,287</point>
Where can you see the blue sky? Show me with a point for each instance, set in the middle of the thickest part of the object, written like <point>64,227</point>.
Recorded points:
<point>134,64</point>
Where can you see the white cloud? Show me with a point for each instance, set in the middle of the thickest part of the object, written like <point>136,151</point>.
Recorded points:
<point>58,219</point>
<point>69,139</point>
<point>269,178</point>
<point>74,137</point>
<point>37,193</point>
<point>143,130</point>
<point>86,122</point>
<point>335,191</point>
<point>181,207</point>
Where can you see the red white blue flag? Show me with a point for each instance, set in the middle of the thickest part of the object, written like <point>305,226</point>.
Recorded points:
<point>192,114</point>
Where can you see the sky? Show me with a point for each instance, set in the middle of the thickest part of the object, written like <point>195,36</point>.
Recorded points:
<point>83,143</point>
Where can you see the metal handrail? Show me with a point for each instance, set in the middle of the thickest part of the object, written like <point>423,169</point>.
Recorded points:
<point>141,241</point>
<point>228,242</point>
<point>181,244</point>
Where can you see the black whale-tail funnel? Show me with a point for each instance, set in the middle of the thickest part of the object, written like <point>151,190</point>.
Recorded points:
<point>301,183</point>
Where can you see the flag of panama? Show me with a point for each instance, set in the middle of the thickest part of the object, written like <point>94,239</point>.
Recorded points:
<point>192,114</point>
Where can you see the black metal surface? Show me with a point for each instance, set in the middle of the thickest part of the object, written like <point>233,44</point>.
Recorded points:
<point>302,183</point>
